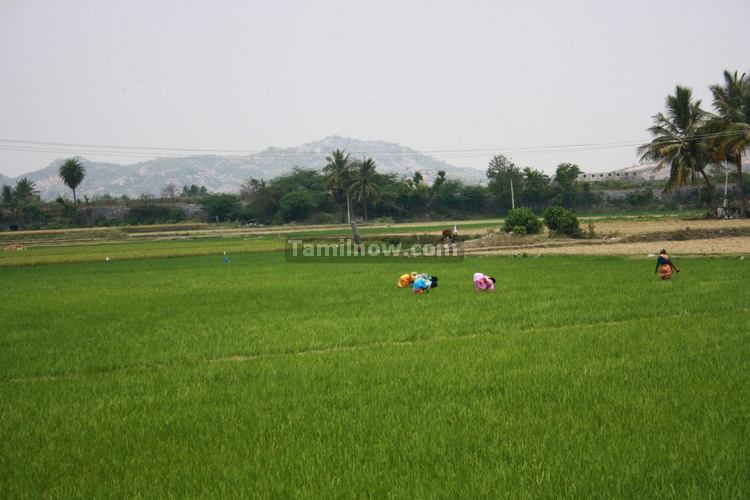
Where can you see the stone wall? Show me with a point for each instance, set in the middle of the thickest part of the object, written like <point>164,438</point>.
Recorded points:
<point>118,212</point>
<point>635,177</point>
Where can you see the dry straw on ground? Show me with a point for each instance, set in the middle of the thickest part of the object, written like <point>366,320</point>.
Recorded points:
<point>622,238</point>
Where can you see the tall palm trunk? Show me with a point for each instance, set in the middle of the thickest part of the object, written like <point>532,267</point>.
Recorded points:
<point>741,185</point>
<point>348,209</point>
<point>364,207</point>
<point>75,203</point>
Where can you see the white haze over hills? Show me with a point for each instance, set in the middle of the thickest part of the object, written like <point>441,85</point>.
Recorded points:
<point>226,173</point>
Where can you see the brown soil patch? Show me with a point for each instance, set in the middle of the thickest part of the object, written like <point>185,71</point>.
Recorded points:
<point>628,227</point>
<point>714,246</point>
<point>697,237</point>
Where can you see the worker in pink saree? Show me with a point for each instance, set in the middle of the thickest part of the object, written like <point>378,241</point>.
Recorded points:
<point>483,283</point>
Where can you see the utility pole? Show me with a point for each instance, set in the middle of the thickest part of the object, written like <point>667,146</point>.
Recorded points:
<point>348,210</point>
<point>726,183</point>
<point>512,197</point>
<point>355,236</point>
<point>724,210</point>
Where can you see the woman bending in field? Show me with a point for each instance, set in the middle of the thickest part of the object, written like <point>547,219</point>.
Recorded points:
<point>424,283</point>
<point>406,279</point>
<point>483,283</point>
<point>664,266</point>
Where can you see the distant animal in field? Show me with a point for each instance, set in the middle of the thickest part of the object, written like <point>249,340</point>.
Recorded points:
<point>15,247</point>
<point>450,234</point>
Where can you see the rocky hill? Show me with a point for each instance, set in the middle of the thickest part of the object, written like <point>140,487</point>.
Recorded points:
<point>226,173</point>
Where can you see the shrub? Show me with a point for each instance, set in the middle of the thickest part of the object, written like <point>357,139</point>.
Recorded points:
<point>523,217</point>
<point>642,198</point>
<point>519,230</point>
<point>591,234</point>
<point>562,221</point>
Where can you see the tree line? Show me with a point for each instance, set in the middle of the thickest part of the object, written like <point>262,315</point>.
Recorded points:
<point>692,143</point>
<point>344,189</point>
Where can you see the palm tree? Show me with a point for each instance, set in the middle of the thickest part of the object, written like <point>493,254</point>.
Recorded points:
<point>20,198</point>
<point>339,177</point>
<point>72,173</point>
<point>7,195</point>
<point>24,190</point>
<point>364,187</point>
<point>732,124</point>
<point>679,142</point>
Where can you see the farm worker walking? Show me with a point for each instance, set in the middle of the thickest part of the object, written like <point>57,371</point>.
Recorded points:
<point>226,259</point>
<point>664,266</point>
<point>406,279</point>
<point>483,283</point>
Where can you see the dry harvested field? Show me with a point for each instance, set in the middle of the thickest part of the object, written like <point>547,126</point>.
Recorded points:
<point>715,246</point>
<point>626,237</point>
<point>630,227</point>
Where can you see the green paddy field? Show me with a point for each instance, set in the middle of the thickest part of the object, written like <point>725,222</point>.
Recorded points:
<point>579,377</point>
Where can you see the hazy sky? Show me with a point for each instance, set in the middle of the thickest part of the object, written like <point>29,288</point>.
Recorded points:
<point>431,75</point>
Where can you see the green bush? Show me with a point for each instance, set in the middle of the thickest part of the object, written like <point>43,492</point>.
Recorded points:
<point>560,220</point>
<point>519,230</point>
<point>523,217</point>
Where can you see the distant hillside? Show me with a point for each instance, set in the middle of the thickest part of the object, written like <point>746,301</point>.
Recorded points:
<point>647,171</point>
<point>226,173</point>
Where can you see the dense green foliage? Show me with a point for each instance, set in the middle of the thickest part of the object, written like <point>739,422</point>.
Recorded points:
<point>688,140</point>
<point>186,377</point>
<point>522,217</point>
<point>193,191</point>
<point>731,126</point>
<point>678,142</point>
<point>146,212</point>
<point>560,220</point>
<point>222,206</point>
<point>565,177</point>
<point>315,197</point>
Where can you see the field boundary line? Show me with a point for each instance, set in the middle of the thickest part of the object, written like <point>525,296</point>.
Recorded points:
<point>240,358</point>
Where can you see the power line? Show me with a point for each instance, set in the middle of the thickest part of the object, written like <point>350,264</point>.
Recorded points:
<point>140,149</point>
<point>82,153</point>
<point>120,147</point>
<point>149,152</point>
<point>301,156</point>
